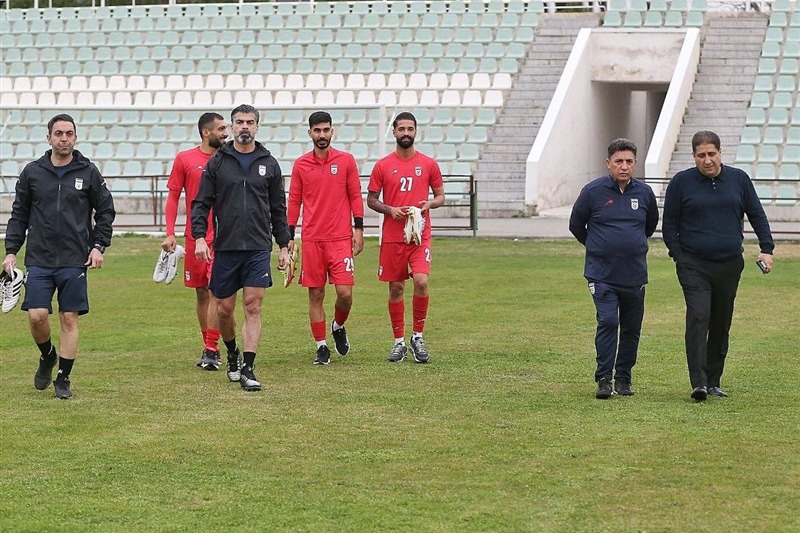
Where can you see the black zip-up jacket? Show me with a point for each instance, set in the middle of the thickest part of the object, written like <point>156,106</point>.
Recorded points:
<point>57,213</point>
<point>249,209</point>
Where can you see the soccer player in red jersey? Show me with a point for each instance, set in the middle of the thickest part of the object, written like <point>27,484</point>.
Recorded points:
<point>325,183</point>
<point>185,176</point>
<point>405,177</point>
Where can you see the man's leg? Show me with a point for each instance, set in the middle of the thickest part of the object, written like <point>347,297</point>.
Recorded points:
<point>226,317</point>
<point>251,330</point>
<point>39,322</point>
<point>316,318</point>
<point>725,285</point>
<point>606,303</point>
<point>631,314</point>
<point>696,284</point>
<point>397,311</point>
<point>341,311</point>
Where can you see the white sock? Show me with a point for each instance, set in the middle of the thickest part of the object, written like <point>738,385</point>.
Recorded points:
<point>401,340</point>
<point>322,343</point>
<point>416,335</point>
<point>335,326</point>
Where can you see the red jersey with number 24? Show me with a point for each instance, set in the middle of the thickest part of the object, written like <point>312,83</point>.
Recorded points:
<point>405,182</point>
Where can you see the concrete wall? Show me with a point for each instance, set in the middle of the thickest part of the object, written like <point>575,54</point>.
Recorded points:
<point>614,85</point>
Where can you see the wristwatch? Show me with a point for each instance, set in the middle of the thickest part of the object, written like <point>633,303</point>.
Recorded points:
<point>100,248</point>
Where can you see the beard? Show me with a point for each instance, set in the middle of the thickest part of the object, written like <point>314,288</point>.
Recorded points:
<point>405,142</point>
<point>322,143</point>
<point>216,142</point>
<point>244,138</point>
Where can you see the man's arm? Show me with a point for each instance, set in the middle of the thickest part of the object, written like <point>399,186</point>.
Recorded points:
<point>104,212</point>
<point>17,226</point>
<point>671,220</point>
<point>170,216</point>
<point>373,203</point>
<point>201,205</point>
<point>438,200</point>
<point>652,214</point>
<point>579,218</point>
<point>277,210</point>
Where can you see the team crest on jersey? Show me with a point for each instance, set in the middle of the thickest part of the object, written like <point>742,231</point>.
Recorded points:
<point>334,169</point>
<point>79,183</point>
<point>262,170</point>
<point>418,171</point>
<point>634,203</point>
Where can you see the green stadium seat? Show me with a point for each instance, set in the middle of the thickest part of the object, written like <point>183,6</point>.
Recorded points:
<point>765,171</point>
<point>791,153</point>
<point>789,171</point>
<point>695,19</point>
<point>768,153</point>
<point>633,19</point>
<point>746,153</point>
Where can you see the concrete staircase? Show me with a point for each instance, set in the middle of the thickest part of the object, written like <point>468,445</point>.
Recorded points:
<point>723,85</point>
<point>501,169</point>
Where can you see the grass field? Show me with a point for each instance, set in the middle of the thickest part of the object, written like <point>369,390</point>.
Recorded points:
<point>500,433</point>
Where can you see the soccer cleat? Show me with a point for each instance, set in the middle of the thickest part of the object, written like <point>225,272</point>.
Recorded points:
<point>61,385</point>
<point>291,268</point>
<point>323,355</point>
<point>41,380</point>
<point>415,223</point>
<point>398,353</point>
<point>419,350</point>
<point>234,365</point>
<point>604,391</point>
<point>10,287</point>
<point>209,361</point>
<point>340,340</point>
<point>162,265</point>
<point>248,380</point>
<point>172,263</point>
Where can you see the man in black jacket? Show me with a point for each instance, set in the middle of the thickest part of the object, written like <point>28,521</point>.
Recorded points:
<point>243,184</point>
<point>55,198</point>
<point>704,208</point>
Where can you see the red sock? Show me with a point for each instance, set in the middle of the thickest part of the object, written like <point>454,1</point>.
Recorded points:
<point>420,312</point>
<point>318,330</point>
<point>211,339</point>
<point>397,312</point>
<point>340,315</point>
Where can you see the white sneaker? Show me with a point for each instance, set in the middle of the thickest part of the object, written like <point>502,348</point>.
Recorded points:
<point>172,263</point>
<point>415,223</point>
<point>10,288</point>
<point>160,272</point>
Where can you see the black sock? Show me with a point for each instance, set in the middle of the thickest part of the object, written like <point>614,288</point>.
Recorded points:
<point>249,359</point>
<point>46,347</point>
<point>230,345</point>
<point>64,367</point>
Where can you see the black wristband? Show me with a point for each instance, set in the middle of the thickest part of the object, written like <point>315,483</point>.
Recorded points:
<point>100,248</point>
<point>291,233</point>
<point>358,222</point>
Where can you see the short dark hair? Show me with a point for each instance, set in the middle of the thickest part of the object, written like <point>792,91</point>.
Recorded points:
<point>405,115</point>
<point>705,137</point>
<point>246,109</point>
<point>206,120</point>
<point>319,117</point>
<point>621,145</point>
<point>63,117</point>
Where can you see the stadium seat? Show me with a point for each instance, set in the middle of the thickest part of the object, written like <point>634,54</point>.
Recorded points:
<point>786,194</point>
<point>791,154</point>
<point>746,153</point>
<point>789,171</point>
<point>768,154</point>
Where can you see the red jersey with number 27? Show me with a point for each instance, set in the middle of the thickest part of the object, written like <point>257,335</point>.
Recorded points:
<point>186,172</point>
<point>405,182</point>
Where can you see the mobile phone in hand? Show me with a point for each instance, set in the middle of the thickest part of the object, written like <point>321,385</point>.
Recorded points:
<point>762,265</point>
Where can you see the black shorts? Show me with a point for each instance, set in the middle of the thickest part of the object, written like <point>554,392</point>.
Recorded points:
<point>233,270</point>
<point>70,282</point>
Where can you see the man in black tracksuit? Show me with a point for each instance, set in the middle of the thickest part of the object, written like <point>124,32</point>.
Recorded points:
<point>704,209</point>
<point>56,197</point>
<point>243,184</point>
<point>613,217</point>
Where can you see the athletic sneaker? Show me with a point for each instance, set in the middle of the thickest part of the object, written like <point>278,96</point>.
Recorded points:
<point>61,384</point>
<point>419,350</point>
<point>323,355</point>
<point>398,353</point>
<point>234,364</point>
<point>172,263</point>
<point>162,265</point>
<point>248,380</point>
<point>210,360</point>
<point>10,287</point>
<point>41,380</point>
<point>340,340</point>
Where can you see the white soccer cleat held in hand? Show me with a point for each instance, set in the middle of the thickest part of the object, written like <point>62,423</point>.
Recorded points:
<point>415,224</point>
<point>10,288</point>
<point>167,265</point>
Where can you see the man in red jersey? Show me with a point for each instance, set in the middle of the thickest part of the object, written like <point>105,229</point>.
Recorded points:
<point>325,182</point>
<point>405,177</point>
<point>185,176</point>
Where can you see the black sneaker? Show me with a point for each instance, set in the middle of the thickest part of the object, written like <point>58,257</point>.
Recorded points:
<point>398,353</point>
<point>623,387</point>
<point>323,355</point>
<point>716,391</point>
<point>61,385</point>
<point>699,394</point>
<point>234,364</point>
<point>248,381</point>
<point>209,361</point>
<point>419,350</point>
<point>340,340</point>
<point>604,391</point>
<point>44,374</point>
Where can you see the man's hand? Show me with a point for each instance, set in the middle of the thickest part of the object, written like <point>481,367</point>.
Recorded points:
<point>95,259</point>
<point>201,250</point>
<point>767,258</point>
<point>358,241</point>
<point>283,258</point>
<point>398,213</point>
<point>291,246</point>
<point>169,244</point>
<point>9,263</point>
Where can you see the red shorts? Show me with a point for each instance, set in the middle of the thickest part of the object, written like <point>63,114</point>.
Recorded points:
<point>327,261</point>
<point>196,272</point>
<point>398,260</point>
